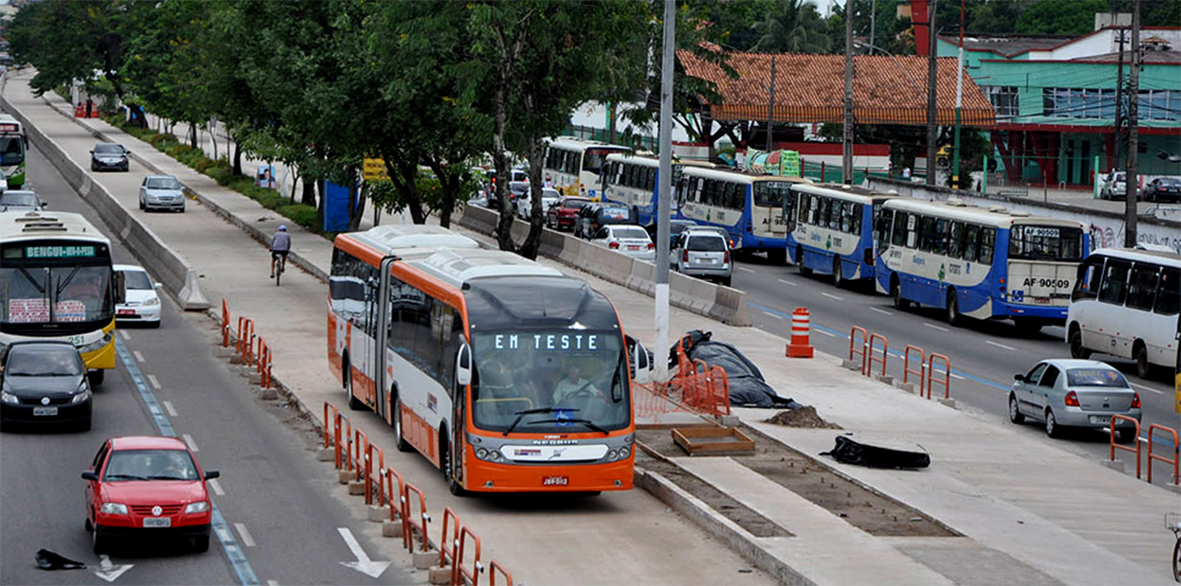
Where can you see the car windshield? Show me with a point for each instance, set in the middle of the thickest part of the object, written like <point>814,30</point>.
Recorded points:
<point>52,360</point>
<point>575,204</point>
<point>19,199</point>
<point>1095,377</point>
<point>636,233</point>
<point>56,294</point>
<point>12,150</point>
<point>550,381</point>
<point>1046,243</point>
<point>108,149</point>
<point>706,243</point>
<point>137,280</point>
<point>150,465</point>
<point>163,183</point>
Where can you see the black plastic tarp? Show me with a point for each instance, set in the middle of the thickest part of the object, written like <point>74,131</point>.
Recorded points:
<point>748,388</point>
<point>850,451</point>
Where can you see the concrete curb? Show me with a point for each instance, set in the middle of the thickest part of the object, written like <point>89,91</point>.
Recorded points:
<point>724,304</point>
<point>165,263</point>
<point>725,530</point>
<point>251,230</point>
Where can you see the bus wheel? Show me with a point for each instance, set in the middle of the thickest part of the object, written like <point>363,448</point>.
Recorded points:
<point>896,294</point>
<point>399,438</point>
<point>838,279</point>
<point>96,377</point>
<point>447,463</point>
<point>954,317</point>
<point>354,403</point>
<point>1077,350</point>
<point>800,262</point>
<point>1143,367</point>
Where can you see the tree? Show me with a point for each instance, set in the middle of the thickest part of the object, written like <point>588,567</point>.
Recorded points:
<point>1060,17</point>
<point>794,26</point>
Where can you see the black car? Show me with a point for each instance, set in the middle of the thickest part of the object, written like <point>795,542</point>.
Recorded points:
<point>1163,188</point>
<point>109,155</point>
<point>675,227</point>
<point>20,201</point>
<point>44,382</point>
<point>596,215</point>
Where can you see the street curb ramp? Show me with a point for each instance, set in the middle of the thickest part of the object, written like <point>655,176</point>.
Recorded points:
<point>725,304</point>
<point>162,261</point>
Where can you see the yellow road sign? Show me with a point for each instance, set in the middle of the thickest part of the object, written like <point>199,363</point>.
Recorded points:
<point>374,169</point>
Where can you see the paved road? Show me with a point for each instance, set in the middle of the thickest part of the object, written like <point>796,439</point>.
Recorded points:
<point>280,507</point>
<point>984,355</point>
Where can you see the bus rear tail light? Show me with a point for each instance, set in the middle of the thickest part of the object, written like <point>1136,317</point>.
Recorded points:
<point>1071,399</point>
<point>869,256</point>
<point>1136,400</point>
<point>614,245</point>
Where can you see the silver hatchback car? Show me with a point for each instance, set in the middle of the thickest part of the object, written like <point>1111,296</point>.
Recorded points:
<point>1074,393</point>
<point>702,253</point>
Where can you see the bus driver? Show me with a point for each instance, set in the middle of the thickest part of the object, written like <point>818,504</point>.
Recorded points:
<point>573,385</point>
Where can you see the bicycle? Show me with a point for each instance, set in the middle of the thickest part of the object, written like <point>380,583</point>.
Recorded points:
<point>279,266</point>
<point>1173,523</point>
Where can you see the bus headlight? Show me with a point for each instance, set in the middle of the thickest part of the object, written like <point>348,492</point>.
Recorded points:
<point>482,454</point>
<point>624,452</point>
<point>97,344</point>
<point>612,456</point>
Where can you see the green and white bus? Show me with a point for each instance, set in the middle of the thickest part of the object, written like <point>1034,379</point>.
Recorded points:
<point>13,144</point>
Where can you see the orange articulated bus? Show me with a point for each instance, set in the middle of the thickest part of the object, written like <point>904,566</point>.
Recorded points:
<point>507,375</point>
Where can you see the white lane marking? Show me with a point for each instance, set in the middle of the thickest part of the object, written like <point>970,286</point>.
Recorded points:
<point>1149,389</point>
<point>108,571</point>
<point>774,315</point>
<point>786,282</point>
<point>169,408</point>
<point>745,270</point>
<point>247,539</point>
<point>189,441</point>
<point>999,345</point>
<point>881,311</point>
<point>216,486</point>
<point>126,336</point>
<point>935,327</point>
<point>138,356</point>
<point>272,583</point>
<point>156,384</point>
<point>363,564</point>
<point>831,296</point>
<point>957,377</point>
<point>827,333</point>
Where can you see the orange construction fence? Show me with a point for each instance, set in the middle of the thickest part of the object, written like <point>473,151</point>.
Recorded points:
<point>1135,450</point>
<point>695,387</point>
<point>855,348</point>
<point>495,568</point>
<point>447,541</point>
<point>460,576</point>
<point>907,370</point>
<point>1152,456</point>
<point>409,525</point>
<point>374,482</point>
<point>395,500</point>
<point>871,355</point>
<point>945,381</point>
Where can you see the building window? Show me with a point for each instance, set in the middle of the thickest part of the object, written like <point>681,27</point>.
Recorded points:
<point>1004,100</point>
<point>1094,104</point>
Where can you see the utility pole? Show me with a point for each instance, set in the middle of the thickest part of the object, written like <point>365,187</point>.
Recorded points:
<point>873,18</point>
<point>1119,100</point>
<point>847,140</point>
<point>1133,132</point>
<point>959,99</point>
<point>664,187</point>
<point>771,106</point>
<point>932,123</point>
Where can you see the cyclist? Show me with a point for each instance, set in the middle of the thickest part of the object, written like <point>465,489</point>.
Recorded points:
<point>280,246</point>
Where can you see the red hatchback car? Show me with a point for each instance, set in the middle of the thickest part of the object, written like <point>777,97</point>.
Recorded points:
<point>147,486</point>
<point>561,216</point>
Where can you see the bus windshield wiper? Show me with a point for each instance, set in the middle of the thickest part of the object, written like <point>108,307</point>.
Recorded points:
<point>592,425</point>
<point>521,414</point>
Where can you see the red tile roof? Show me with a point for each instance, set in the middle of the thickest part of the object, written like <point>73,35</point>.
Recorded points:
<point>811,88</point>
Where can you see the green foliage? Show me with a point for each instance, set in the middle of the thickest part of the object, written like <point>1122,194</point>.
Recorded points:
<point>1060,17</point>
<point>794,26</point>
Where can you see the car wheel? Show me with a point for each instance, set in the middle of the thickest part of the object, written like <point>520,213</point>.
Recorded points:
<point>838,279</point>
<point>98,543</point>
<point>1052,428</point>
<point>1125,435</point>
<point>800,262</point>
<point>1143,367</point>
<point>141,204</point>
<point>399,439</point>
<point>896,294</point>
<point>201,543</point>
<point>954,317</point>
<point>726,281</point>
<point>1014,412</point>
<point>1077,350</point>
<point>89,525</point>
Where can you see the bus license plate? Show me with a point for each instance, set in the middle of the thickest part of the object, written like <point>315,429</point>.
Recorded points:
<point>555,481</point>
<point>158,522</point>
<point>1041,300</point>
<point>45,411</point>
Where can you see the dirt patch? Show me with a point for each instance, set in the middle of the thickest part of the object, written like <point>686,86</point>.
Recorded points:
<point>756,524</point>
<point>805,417</point>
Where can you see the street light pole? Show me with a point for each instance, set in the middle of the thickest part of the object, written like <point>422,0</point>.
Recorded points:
<point>959,98</point>
<point>847,140</point>
<point>932,111</point>
<point>1132,182</point>
<point>664,185</point>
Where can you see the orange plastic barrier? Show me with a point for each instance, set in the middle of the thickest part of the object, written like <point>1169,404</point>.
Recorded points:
<point>447,541</point>
<point>495,568</point>
<point>225,323</point>
<point>460,576</point>
<point>1152,456</point>
<point>800,345</point>
<point>372,480</point>
<point>1135,450</point>
<point>408,523</point>
<point>394,500</point>
<point>329,427</point>
<point>871,356</point>
<point>907,370</point>
<point>945,381</point>
<point>360,455</point>
<point>695,388</point>
<point>855,348</point>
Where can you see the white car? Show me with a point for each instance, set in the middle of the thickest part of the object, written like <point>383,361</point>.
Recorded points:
<point>626,239</point>
<point>141,303</point>
<point>549,197</point>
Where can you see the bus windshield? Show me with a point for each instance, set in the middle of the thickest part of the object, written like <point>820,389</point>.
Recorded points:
<point>1046,243</point>
<point>58,294</point>
<point>566,381</point>
<point>594,159</point>
<point>12,150</point>
<point>771,194</point>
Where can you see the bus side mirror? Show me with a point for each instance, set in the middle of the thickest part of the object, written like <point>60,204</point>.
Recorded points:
<point>120,291</point>
<point>463,366</point>
<point>641,365</point>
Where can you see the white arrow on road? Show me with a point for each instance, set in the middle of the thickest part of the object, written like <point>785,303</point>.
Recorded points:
<point>363,564</point>
<point>110,572</point>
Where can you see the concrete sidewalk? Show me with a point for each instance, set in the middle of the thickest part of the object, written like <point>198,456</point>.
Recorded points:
<point>1025,507</point>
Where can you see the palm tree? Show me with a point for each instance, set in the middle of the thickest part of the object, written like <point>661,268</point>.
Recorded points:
<point>794,26</point>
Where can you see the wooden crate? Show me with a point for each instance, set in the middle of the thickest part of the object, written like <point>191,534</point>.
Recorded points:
<point>713,441</point>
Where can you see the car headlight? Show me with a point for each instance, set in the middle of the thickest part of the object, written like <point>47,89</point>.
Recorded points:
<point>97,344</point>
<point>81,397</point>
<point>152,302</point>
<point>113,509</point>
<point>197,507</point>
<point>7,397</point>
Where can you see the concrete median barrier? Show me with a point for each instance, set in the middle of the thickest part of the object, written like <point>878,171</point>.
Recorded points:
<point>162,261</point>
<point>724,304</point>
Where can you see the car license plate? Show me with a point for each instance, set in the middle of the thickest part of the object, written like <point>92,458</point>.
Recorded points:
<point>1041,300</point>
<point>126,312</point>
<point>158,522</point>
<point>636,247</point>
<point>555,481</point>
<point>1100,419</point>
<point>44,411</point>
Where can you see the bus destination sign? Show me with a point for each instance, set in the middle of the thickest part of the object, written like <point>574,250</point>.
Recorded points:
<point>59,251</point>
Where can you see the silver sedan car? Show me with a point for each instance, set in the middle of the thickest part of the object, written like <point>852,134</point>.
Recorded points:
<point>1074,393</point>
<point>161,192</point>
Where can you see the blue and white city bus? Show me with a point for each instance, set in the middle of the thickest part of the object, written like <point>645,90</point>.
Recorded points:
<point>831,230</point>
<point>631,180</point>
<point>981,263</point>
<point>752,208</point>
